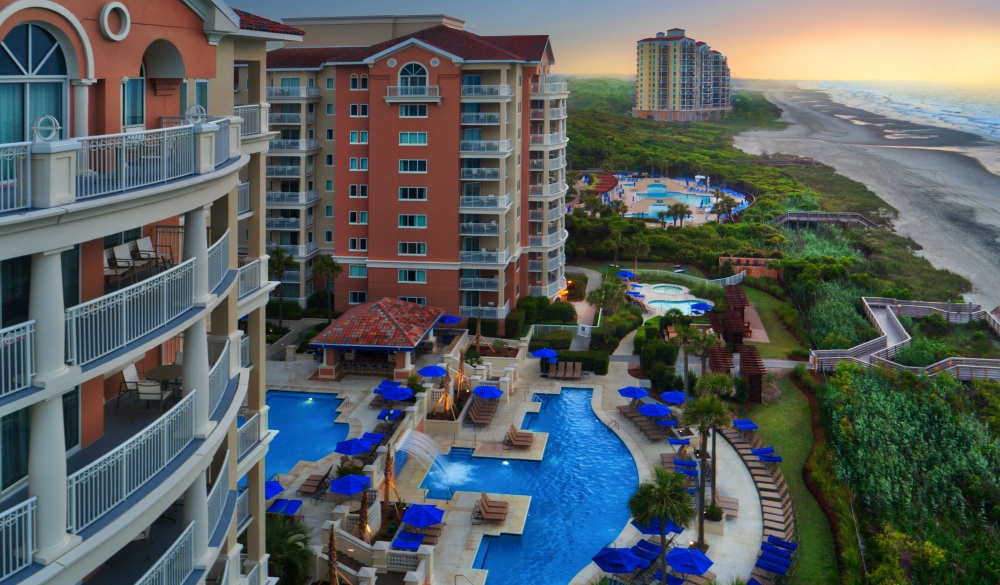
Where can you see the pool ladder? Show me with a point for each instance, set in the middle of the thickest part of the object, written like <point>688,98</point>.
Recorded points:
<point>613,424</point>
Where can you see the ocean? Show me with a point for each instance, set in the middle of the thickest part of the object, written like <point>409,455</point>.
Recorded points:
<point>969,108</point>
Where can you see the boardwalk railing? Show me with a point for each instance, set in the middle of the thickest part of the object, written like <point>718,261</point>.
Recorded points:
<point>17,357</point>
<point>840,218</point>
<point>17,537</point>
<point>176,565</point>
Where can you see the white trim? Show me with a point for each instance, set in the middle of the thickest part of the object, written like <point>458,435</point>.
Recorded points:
<point>455,59</point>
<point>123,14</point>
<point>19,5</point>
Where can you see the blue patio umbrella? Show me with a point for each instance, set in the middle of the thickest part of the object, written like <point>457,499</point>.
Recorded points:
<point>654,409</point>
<point>633,392</point>
<point>353,447</point>
<point>701,306</point>
<point>394,394</point>
<point>671,579</point>
<point>432,371</point>
<point>689,561</point>
<point>487,392</point>
<point>673,397</point>
<point>617,560</point>
<point>654,527</point>
<point>625,274</point>
<point>350,484</point>
<point>449,320</point>
<point>388,384</point>
<point>544,353</point>
<point>423,515</point>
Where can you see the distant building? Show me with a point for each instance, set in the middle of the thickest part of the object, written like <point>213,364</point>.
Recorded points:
<point>679,79</point>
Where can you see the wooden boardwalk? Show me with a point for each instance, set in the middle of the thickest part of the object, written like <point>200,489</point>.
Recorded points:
<point>845,219</point>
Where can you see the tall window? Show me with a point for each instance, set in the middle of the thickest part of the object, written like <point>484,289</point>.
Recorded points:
<point>134,99</point>
<point>34,81</point>
<point>413,79</point>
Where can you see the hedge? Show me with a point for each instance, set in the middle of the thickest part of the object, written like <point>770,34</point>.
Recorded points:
<point>553,340</point>
<point>593,361</point>
<point>293,311</point>
<point>491,327</point>
<point>564,312</point>
<point>656,351</point>
<point>514,323</point>
<point>533,308</point>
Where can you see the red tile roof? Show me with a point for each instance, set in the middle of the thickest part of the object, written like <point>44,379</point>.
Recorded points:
<point>256,23</point>
<point>662,39</point>
<point>605,183</point>
<point>386,323</point>
<point>460,43</point>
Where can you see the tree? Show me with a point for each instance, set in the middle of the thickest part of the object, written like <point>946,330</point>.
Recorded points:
<point>615,238</point>
<point>618,206</point>
<point>287,542</point>
<point>705,413</point>
<point>702,344</point>
<point>329,269</point>
<point>684,338</point>
<point>662,216</point>
<point>663,498</point>
<point>636,246</point>
<point>724,206</point>
<point>278,263</point>
<point>608,297</point>
<point>715,385</point>
<point>683,211</point>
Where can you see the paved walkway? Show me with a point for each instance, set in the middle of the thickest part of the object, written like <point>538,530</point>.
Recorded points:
<point>585,311</point>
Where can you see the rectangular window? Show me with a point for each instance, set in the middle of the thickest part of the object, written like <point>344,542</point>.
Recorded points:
<point>134,102</point>
<point>329,109</point>
<point>359,137</point>
<point>412,221</point>
<point>329,133</point>
<point>359,83</point>
<point>311,82</point>
<point>413,111</point>
<point>359,164</point>
<point>329,211</point>
<point>201,93</point>
<point>413,139</point>
<point>412,249</point>
<point>414,276</point>
<point>358,296</point>
<point>364,82</point>
<point>357,271</point>
<point>329,186</point>
<point>417,300</point>
<point>359,110</point>
<point>358,218</point>
<point>328,236</point>
<point>413,193</point>
<point>357,244</point>
<point>329,83</point>
<point>329,160</point>
<point>412,166</point>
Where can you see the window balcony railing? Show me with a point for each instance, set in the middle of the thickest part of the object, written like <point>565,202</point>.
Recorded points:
<point>484,146</point>
<point>251,119</point>
<point>486,91</point>
<point>291,197</point>
<point>554,114</point>
<point>283,223</point>
<point>245,352</point>
<point>550,190</point>
<point>479,229</point>
<point>121,162</point>
<point>217,497</point>
<point>107,482</point>
<point>176,565</point>
<point>17,537</point>
<point>288,144</point>
<point>485,256</point>
<point>218,261</point>
<point>218,379</point>
<point>289,170</point>
<point>249,277</point>
<point>549,88</point>
<point>292,92</point>
<point>480,119</point>
<point>553,138</point>
<point>17,358</point>
<point>243,198</point>
<point>248,435</point>
<point>105,324</point>
<point>15,176</point>
<point>480,174</point>
<point>485,201</point>
<point>418,91</point>
<point>549,240</point>
<point>485,312</point>
<point>284,118</point>
<point>487,284</point>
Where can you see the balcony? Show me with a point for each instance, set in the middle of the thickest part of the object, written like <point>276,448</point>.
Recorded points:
<point>550,190</point>
<point>553,139</point>
<point>484,147</point>
<point>297,92</point>
<point>485,312</point>
<point>548,290</point>
<point>292,276</point>
<point>484,202</point>
<point>479,229</point>
<point>552,263</point>
<point>483,284</point>
<point>287,145</point>
<point>243,199</point>
<point>480,119</point>
<point>480,174</point>
<point>285,118</point>
<point>249,435</point>
<point>176,565</point>
<point>17,537</point>
<point>218,261</point>
<point>541,89</point>
<point>485,257</point>
<point>245,361</point>
<point>249,276</point>
<point>15,176</point>
<point>549,240</point>
<point>490,93</point>
<point>242,511</point>
<point>289,170</point>
<point>290,198</point>
<point>554,114</point>
<point>301,250</point>
<point>17,359</point>
<point>251,119</point>
<point>420,93</point>
<point>543,215</point>
<point>283,223</point>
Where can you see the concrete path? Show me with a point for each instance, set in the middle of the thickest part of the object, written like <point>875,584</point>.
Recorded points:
<point>276,351</point>
<point>585,311</point>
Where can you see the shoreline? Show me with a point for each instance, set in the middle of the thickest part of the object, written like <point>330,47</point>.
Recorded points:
<point>945,183</point>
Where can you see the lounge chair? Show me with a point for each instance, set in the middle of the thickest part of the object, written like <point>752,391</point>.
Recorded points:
<point>145,249</point>
<point>272,488</point>
<point>516,438</point>
<point>484,514</point>
<point>113,269</point>
<point>152,391</point>
<point>408,540</point>
<point>552,370</point>
<point>494,505</point>
<point>277,506</point>
<point>130,382</point>
<point>560,370</point>
<point>315,483</point>
<point>124,255</point>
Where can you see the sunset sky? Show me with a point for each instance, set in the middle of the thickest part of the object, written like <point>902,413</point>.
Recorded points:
<point>955,41</point>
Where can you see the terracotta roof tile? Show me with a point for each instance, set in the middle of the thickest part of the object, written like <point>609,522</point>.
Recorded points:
<point>253,22</point>
<point>387,322</point>
<point>528,47</point>
<point>313,57</point>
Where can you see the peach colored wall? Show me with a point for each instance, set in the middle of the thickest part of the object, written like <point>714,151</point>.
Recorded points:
<point>91,411</point>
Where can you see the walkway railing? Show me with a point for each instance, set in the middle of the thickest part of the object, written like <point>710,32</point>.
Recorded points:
<point>218,261</point>
<point>17,537</point>
<point>249,277</point>
<point>105,324</point>
<point>176,565</point>
<point>97,488</point>
<point>15,176</point>
<point>248,435</point>
<point>119,162</point>
<point>218,379</point>
<point>17,357</point>
<point>251,119</point>
<point>217,497</point>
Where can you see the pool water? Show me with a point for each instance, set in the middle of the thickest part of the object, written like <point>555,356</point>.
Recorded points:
<point>578,493</point>
<point>684,306</point>
<point>667,289</point>
<point>307,431</point>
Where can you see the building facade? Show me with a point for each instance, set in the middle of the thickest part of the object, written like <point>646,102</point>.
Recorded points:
<point>679,79</point>
<point>133,425</point>
<point>434,168</point>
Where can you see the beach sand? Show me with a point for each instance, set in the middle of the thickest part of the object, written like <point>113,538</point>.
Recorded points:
<point>940,180</point>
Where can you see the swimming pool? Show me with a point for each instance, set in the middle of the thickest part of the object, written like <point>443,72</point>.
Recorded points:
<point>668,289</point>
<point>656,191</point>
<point>307,431</point>
<point>578,493</point>
<point>684,306</point>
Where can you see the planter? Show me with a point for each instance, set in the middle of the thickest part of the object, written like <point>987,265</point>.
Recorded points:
<point>451,427</point>
<point>718,528</point>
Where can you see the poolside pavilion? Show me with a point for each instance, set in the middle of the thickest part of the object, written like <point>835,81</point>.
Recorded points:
<point>377,338</point>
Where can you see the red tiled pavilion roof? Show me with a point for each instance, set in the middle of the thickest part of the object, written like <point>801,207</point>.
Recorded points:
<point>605,183</point>
<point>256,23</point>
<point>387,323</point>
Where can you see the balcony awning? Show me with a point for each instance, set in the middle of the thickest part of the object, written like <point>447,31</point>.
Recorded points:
<point>385,324</point>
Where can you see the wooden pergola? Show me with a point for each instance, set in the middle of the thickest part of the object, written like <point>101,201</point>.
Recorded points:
<point>736,299</point>
<point>734,328</point>
<point>720,361</point>
<point>752,368</point>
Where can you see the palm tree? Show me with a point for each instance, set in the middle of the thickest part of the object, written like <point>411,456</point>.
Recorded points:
<point>662,216</point>
<point>329,269</point>
<point>705,413</point>
<point>607,297</point>
<point>702,344</point>
<point>683,211</point>
<point>677,211</point>
<point>715,385</point>
<point>663,498</point>
<point>724,205</point>
<point>278,262</point>
<point>683,340</point>
<point>287,542</point>
<point>636,246</point>
<point>619,206</point>
<point>615,237</point>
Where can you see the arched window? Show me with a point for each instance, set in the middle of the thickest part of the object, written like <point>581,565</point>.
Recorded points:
<point>413,75</point>
<point>33,81</point>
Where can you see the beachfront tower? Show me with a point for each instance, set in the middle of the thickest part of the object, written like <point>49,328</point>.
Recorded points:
<point>679,79</point>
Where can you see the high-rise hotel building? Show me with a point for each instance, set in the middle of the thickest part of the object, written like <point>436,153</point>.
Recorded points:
<point>133,425</point>
<point>679,79</point>
<point>428,160</point>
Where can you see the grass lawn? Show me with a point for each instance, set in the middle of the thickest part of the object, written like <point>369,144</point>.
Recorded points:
<point>787,426</point>
<point>627,264</point>
<point>781,341</point>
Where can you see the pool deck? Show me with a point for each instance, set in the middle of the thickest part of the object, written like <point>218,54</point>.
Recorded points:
<point>639,204</point>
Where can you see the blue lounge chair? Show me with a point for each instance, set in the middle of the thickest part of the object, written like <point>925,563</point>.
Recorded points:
<point>649,547</point>
<point>775,550</point>
<point>292,508</point>
<point>408,540</point>
<point>272,489</point>
<point>277,507</point>
<point>375,438</point>
<point>685,463</point>
<point>781,543</point>
<point>645,555</point>
<point>688,472</point>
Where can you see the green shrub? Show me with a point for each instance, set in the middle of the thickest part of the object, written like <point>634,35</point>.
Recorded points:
<point>639,340</point>
<point>491,327</point>
<point>553,340</point>
<point>934,324</point>
<point>657,351</point>
<point>922,352</point>
<point>317,300</point>
<point>564,312</point>
<point>576,287</point>
<point>514,323</point>
<point>713,513</point>
<point>741,390</point>
<point>799,353</point>
<point>765,284</point>
<point>533,308</point>
<point>593,361</point>
<point>293,311</point>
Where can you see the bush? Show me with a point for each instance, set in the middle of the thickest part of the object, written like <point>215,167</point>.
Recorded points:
<point>657,351</point>
<point>554,340</point>
<point>317,300</point>
<point>576,287</point>
<point>713,513</point>
<point>593,361</point>
<point>491,327</point>
<point>514,323</point>
<point>742,389</point>
<point>292,312</point>
<point>639,340</point>
<point>533,308</point>
<point>765,284</point>
<point>564,312</point>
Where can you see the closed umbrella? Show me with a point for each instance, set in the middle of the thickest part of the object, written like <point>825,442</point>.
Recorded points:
<point>633,392</point>
<point>423,515</point>
<point>432,371</point>
<point>672,397</point>
<point>617,560</point>
<point>449,320</point>
<point>689,561</point>
<point>353,447</point>
<point>350,484</point>
<point>654,409</point>
<point>487,392</point>
<point>544,353</point>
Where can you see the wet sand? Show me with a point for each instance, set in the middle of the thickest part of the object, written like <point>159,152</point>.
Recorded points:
<point>940,180</point>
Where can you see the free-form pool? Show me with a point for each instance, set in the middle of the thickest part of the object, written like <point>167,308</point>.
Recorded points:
<point>667,289</point>
<point>655,191</point>
<point>684,306</point>
<point>307,431</point>
<point>578,493</point>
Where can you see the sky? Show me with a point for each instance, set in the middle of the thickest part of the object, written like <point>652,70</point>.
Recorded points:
<point>922,40</point>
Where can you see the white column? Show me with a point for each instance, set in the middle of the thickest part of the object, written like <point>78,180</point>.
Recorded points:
<point>81,106</point>
<point>195,374</point>
<point>196,246</point>
<point>47,479</point>
<point>196,510</point>
<point>45,306</point>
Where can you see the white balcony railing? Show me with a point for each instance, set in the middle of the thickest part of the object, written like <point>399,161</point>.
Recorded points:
<point>249,277</point>
<point>15,176</point>
<point>284,118</point>
<point>243,508</point>
<point>301,250</point>
<point>486,91</point>
<point>120,162</point>
<point>222,141</point>
<point>251,119</point>
<point>485,201</point>
<point>243,198</point>
<point>218,261</point>
<point>289,170</point>
<point>245,351</point>
<point>248,435</point>
<point>554,114</point>
<point>291,276</point>
<point>290,197</point>
<point>17,537</point>
<point>484,146</point>
<point>479,229</point>
<point>105,324</point>
<point>398,560</point>
<point>217,497</point>
<point>547,190</point>
<point>289,144</point>
<point>549,88</point>
<point>485,312</point>
<point>17,359</point>
<point>553,138</point>
<point>480,119</point>
<point>485,256</point>
<point>489,284</point>
<point>480,174</point>
<point>419,91</point>
<point>283,223</point>
<point>543,215</point>
<point>176,565</point>
<point>548,240</point>
<point>292,92</point>
<point>97,488</point>
<point>548,290</point>
<point>218,379</point>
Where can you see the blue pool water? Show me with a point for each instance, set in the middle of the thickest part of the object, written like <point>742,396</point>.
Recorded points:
<point>684,306</point>
<point>655,191</point>
<point>579,493</point>
<point>307,431</point>
<point>667,288</point>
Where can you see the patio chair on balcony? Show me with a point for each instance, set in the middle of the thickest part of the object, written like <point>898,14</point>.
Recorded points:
<point>146,250</point>
<point>153,391</point>
<point>115,270</point>
<point>129,384</point>
<point>124,256</point>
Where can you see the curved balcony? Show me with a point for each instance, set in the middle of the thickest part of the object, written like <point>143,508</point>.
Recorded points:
<point>243,199</point>
<point>546,215</point>
<point>554,164</point>
<point>17,537</point>
<point>287,145</point>
<point>550,190</point>
<point>548,290</point>
<point>17,357</point>
<point>552,139</point>
<point>249,276</point>
<point>549,240</point>
<point>549,89</point>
